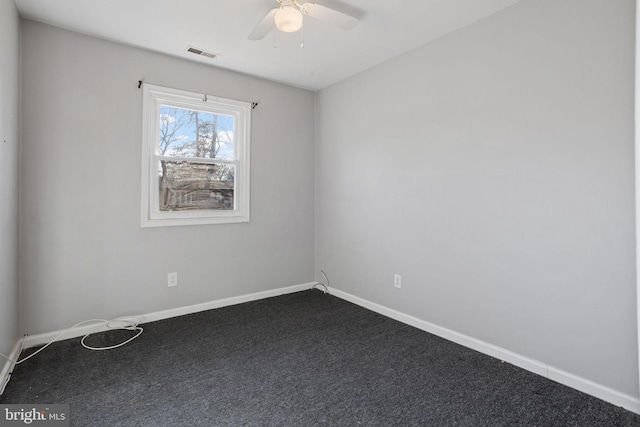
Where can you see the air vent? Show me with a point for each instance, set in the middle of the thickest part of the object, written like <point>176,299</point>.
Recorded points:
<point>201,52</point>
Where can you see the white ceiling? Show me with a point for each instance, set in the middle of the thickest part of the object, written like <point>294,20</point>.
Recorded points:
<point>386,28</point>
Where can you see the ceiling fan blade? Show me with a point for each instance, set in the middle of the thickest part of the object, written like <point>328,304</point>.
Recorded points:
<point>330,16</point>
<point>264,26</point>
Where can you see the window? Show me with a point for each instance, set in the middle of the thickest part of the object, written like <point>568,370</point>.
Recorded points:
<point>195,158</point>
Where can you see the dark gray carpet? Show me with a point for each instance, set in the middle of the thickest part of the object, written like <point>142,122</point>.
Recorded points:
<point>303,359</point>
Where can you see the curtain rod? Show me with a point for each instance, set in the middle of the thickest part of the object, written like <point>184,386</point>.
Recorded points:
<point>254,104</point>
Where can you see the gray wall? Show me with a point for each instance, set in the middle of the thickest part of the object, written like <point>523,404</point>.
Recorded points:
<point>9,109</point>
<point>83,252</point>
<point>493,168</point>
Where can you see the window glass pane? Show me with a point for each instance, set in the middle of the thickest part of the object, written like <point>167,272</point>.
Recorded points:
<point>192,133</point>
<point>195,186</point>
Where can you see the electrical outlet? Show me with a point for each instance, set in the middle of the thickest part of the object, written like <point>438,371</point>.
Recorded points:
<point>397,281</point>
<point>172,279</point>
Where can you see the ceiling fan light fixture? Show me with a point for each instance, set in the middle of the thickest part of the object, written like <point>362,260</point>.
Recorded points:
<point>288,19</point>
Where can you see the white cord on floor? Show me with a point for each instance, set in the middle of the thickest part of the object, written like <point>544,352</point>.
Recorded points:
<point>129,325</point>
<point>326,287</point>
<point>126,323</point>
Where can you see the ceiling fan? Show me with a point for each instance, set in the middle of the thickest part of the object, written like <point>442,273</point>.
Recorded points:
<point>288,17</point>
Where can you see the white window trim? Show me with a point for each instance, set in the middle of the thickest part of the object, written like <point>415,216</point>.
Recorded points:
<point>153,97</point>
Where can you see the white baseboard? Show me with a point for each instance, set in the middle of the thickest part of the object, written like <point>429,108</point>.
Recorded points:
<point>581,384</point>
<point>594,389</point>
<point>40,339</point>
<point>7,369</point>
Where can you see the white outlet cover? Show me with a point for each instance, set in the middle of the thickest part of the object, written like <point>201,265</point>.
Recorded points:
<point>397,281</point>
<point>172,279</point>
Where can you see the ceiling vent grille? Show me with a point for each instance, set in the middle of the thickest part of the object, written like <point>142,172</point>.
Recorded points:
<point>201,52</point>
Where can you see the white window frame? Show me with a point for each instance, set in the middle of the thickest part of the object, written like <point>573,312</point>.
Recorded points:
<point>155,96</point>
